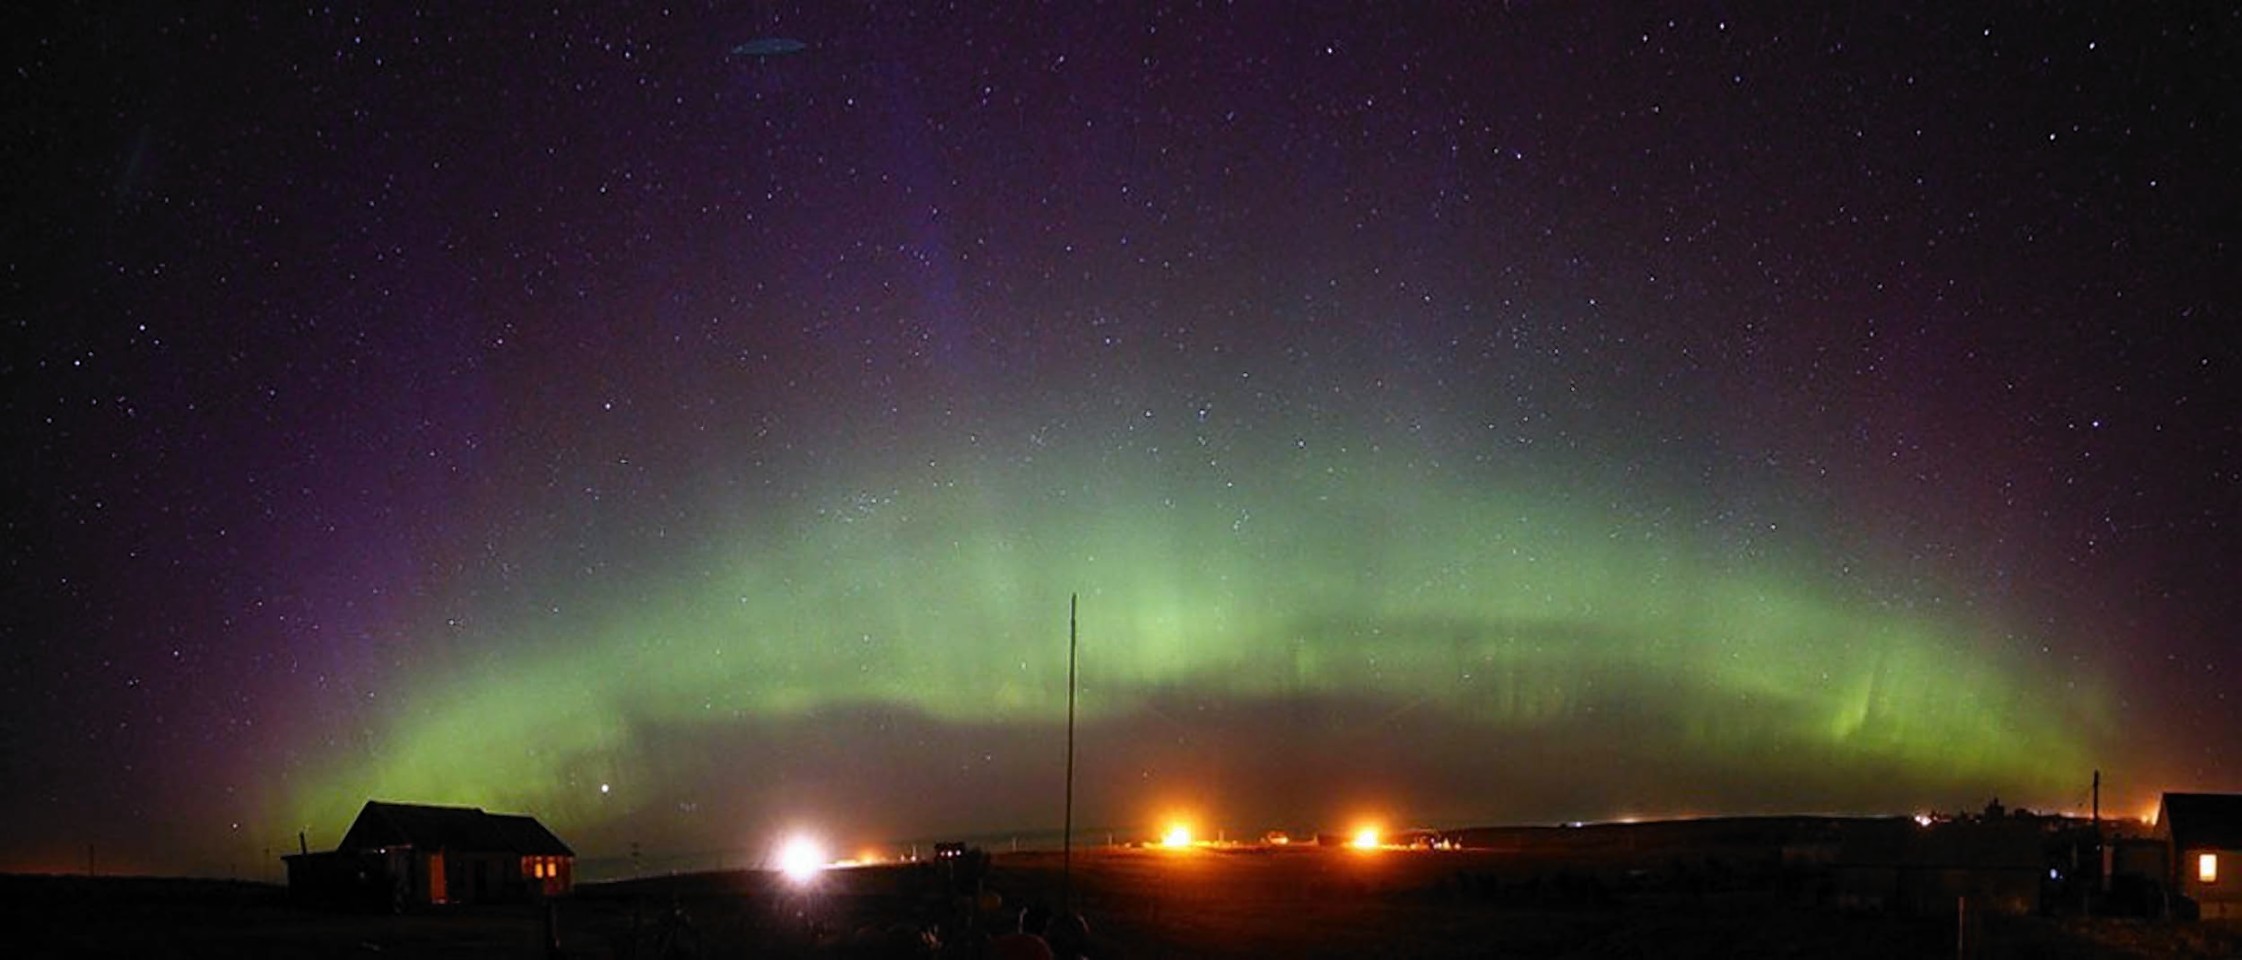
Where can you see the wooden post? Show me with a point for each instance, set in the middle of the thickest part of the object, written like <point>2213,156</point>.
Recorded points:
<point>1961,925</point>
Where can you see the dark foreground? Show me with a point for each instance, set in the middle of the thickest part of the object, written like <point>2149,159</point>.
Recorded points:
<point>1296,902</point>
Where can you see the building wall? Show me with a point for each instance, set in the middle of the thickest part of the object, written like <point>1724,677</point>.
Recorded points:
<point>2140,858</point>
<point>2221,899</point>
<point>472,877</point>
<point>548,875</point>
<point>1993,867</point>
<point>404,878</point>
<point>452,876</point>
<point>341,880</point>
<point>1935,890</point>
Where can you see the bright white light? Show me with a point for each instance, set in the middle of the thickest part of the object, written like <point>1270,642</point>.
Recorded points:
<point>800,859</point>
<point>1367,838</point>
<point>1177,836</point>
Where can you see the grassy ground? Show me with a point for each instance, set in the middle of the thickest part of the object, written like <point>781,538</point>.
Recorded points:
<point>1435,904</point>
<point>1301,902</point>
<point>162,918</point>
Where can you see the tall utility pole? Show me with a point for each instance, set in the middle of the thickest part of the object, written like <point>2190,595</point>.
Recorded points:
<point>1066,840</point>
<point>2101,853</point>
<point>2097,804</point>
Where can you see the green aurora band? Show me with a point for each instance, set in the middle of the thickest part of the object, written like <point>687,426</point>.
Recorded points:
<point>1542,610</point>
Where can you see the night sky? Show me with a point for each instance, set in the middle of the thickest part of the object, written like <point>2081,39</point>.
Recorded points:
<point>1455,413</point>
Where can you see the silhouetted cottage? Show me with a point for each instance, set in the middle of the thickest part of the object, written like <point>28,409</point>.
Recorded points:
<point>408,854</point>
<point>2205,833</point>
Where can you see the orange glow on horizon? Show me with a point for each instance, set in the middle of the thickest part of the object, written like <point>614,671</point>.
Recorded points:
<point>1178,835</point>
<point>1367,838</point>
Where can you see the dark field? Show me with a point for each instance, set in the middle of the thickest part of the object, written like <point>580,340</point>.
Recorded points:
<point>1587,901</point>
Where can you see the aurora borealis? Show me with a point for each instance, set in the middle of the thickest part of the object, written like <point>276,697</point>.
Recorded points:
<point>1550,412</point>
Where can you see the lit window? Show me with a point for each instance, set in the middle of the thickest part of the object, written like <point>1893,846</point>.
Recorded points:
<point>2207,867</point>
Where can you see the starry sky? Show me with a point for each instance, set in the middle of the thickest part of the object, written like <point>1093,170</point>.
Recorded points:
<point>1471,413</point>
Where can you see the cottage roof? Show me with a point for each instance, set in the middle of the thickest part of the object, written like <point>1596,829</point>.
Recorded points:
<point>529,837</point>
<point>382,824</point>
<point>2198,820</point>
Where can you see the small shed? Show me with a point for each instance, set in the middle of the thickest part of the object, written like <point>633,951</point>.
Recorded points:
<point>409,854</point>
<point>2204,831</point>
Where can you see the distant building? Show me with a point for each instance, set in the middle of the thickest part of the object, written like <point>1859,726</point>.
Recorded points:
<point>406,854</point>
<point>1982,865</point>
<point>2204,831</point>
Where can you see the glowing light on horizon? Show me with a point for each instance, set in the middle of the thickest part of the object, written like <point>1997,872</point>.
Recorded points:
<point>801,858</point>
<point>1178,836</point>
<point>1367,838</point>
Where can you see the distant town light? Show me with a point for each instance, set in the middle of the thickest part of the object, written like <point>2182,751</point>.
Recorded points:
<point>800,859</point>
<point>1922,819</point>
<point>2207,868</point>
